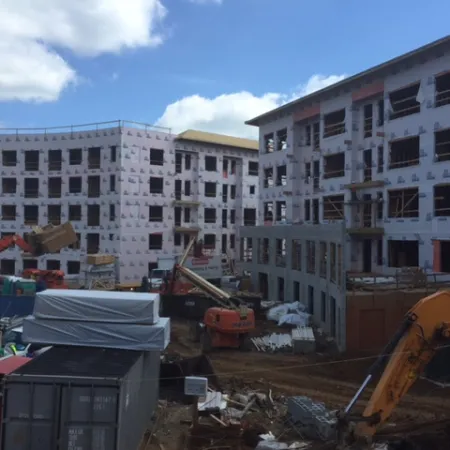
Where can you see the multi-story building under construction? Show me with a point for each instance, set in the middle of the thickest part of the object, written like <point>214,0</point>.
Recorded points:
<point>131,190</point>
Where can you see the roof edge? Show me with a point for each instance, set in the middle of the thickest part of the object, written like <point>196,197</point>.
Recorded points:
<point>413,53</point>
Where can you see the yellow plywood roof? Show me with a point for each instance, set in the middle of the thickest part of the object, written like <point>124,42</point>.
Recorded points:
<point>218,139</point>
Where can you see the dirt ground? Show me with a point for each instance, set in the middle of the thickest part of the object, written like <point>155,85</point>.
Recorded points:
<point>423,414</point>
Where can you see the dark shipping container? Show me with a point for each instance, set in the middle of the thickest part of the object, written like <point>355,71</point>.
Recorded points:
<point>80,399</point>
<point>16,305</point>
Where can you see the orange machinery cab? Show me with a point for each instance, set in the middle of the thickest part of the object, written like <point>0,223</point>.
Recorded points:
<point>54,279</point>
<point>227,328</point>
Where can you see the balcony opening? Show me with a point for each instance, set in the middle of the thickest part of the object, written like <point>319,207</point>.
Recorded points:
<point>157,185</point>
<point>224,193</point>
<point>156,157</point>
<point>31,160</point>
<point>232,241</point>
<point>253,168</point>
<point>94,158</point>
<point>263,251</point>
<point>8,266</point>
<point>333,207</point>
<point>187,161</point>
<point>75,184</point>
<point>403,253</point>
<point>307,211</point>
<point>73,267</point>
<point>9,185</point>
<point>311,257</point>
<point>368,120</point>
<point>250,217</point>
<point>367,159</point>
<point>281,175</point>
<point>210,163</point>
<point>268,177</point>
<point>54,187</point>
<point>113,153</point>
<point>177,216</point>
<point>268,213</point>
<point>224,218</point>
<point>112,212</point>
<point>177,239</point>
<point>334,123</point>
<point>187,215</point>
<point>442,200</point>
<point>280,252</point>
<point>442,145</point>
<point>74,213</point>
<point>31,188</point>
<point>380,204</point>
<point>178,189</point>
<point>333,262</point>
<point>9,212</point>
<point>210,215</point>
<point>209,241</point>
<point>380,105</point>
<point>442,90</point>
<point>308,173</point>
<point>93,243</point>
<point>334,165</point>
<point>31,214</point>
<point>93,215</point>
<point>269,143</point>
<point>54,160</point>
<point>403,203</point>
<point>404,152</point>
<point>178,162</point>
<point>75,156</point>
<point>225,167</point>
<point>316,136</point>
<point>404,101</point>
<point>9,158</point>
<point>280,211</point>
<point>316,175</point>
<point>308,135</point>
<point>156,214</point>
<point>323,257</point>
<point>94,182</point>
<point>380,157</point>
<point>210,189</point>
<point>187,188</point>
<point>296,255</point>
<point>282,139</point>
<point>233,216</point>
<point>315,211</point>
<point>246,249</point>
<point>54,214</point>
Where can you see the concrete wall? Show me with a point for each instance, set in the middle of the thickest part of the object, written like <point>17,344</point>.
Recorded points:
<point>127,235</point>
<point>352,142</point>
<point>323,287</point>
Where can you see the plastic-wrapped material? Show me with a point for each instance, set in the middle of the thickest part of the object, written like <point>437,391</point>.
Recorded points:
<point>97,306</point>
<point>97,334</point>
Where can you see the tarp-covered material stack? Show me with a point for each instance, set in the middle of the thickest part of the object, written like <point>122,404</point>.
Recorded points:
<point>122,320</point>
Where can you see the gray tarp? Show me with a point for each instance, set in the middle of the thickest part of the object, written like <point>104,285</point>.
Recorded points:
<point>97,306</point>
<point>97,334</point>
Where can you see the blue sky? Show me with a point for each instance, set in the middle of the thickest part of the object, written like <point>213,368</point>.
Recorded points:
<point>215,65</point>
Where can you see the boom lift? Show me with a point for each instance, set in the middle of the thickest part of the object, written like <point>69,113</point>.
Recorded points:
<point>225,326</point>
<point>424,329</point>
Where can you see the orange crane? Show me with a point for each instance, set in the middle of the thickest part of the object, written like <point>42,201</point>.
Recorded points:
<point>424,329</point>
<point>16,239</point>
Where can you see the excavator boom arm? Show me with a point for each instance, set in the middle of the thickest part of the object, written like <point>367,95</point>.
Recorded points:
<point>426,326</point>
<point>9,241</point>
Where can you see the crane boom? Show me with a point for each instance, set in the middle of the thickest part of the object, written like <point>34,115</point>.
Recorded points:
<point>15,239</point>
<point>425,327</point>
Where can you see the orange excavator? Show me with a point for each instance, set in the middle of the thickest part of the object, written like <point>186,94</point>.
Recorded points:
<point>226,326</point>
<point>425,328</point>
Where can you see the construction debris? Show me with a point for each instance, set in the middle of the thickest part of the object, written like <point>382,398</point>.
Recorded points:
<point>273,343</point>
<point>303,340</point>
<point>312,419</point>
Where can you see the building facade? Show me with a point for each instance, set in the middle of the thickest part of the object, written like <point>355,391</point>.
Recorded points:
<point>128,189</point>
<point>371,152</point>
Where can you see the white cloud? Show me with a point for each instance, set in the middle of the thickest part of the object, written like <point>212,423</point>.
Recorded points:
<point>227,113</point>
<point>32,70</point>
